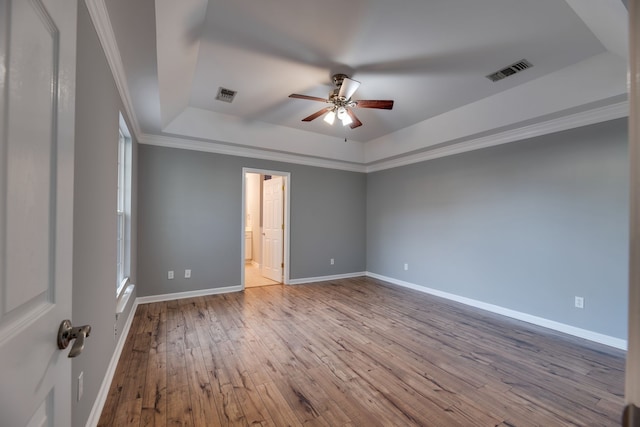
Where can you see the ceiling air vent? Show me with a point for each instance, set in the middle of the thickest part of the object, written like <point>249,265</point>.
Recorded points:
<point>226,95</point>
<point>521,65</point>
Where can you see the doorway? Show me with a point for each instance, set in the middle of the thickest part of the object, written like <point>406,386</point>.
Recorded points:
<point>265,227</point>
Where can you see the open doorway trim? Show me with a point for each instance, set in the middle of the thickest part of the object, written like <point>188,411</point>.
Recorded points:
<point>287,228</point>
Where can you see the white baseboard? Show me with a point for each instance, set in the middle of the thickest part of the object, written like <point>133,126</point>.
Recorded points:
<point>103,392</point>
<point>539,321</point>
<point>325,278</point>
<point>255,264</point>
<point>188,294</point>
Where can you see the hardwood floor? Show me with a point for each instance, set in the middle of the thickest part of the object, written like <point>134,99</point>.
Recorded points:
<point>354,352</point>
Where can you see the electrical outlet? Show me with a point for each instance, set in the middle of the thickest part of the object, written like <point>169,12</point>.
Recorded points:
<point>115,330</point>
<point>187,274</point>
<point>170,275</point>
<point>579,302</point>
<point>332,261</point>
<point>80,385</point>
<point>406,266</point>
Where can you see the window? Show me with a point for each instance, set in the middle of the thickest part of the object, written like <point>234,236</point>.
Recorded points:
<point>123,211</point>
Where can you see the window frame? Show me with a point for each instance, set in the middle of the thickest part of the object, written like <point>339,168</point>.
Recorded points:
<point>123,209</point>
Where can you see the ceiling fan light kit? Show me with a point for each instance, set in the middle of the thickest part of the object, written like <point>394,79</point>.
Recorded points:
<point>341,101</point>
<point>330,117</point>
<point>343,116</point>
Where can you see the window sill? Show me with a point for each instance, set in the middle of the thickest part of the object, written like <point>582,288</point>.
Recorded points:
<point>124,298</point>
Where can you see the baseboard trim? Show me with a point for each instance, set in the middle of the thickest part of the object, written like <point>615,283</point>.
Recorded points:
<point>103,392</point>
<point>539,321</point>
<point>188,294</point>
<point>325,278</point>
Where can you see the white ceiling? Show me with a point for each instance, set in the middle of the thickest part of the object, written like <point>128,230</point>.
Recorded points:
<point>169,58</point>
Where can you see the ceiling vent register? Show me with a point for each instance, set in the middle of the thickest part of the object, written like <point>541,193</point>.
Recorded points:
<point>226,95</point>
<point>512,69</point>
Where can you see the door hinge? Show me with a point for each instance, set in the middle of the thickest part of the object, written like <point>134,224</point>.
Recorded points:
<point>282,265</point>
<point>283,226</point>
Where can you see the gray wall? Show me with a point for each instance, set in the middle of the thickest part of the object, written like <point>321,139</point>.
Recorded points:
<point>526,226</point>
<point>95,188</point>
<point>190,213</point>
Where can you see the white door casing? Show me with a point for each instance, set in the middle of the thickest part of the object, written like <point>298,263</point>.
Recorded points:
<point>272,228</point>
<point>37,107</point>
<point>632,379</point>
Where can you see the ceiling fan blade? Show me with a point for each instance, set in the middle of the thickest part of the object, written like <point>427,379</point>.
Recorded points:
<point>348,88</point>
<point>315,115</point>
<point>356,122</point>
<point>385,104</point>
<point>310,98</point>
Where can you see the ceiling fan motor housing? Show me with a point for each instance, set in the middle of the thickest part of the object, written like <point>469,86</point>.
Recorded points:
<point>338,101</point>
<point>338,79</point>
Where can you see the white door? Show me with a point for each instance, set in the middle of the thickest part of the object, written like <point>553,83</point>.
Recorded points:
<point>272,228</point>
<point>37,101</point>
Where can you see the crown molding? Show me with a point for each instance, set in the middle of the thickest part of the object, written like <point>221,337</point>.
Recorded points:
<point>593,116</point>
<point>254,153</point>
<point>100,18</point>
<point>596,115</point>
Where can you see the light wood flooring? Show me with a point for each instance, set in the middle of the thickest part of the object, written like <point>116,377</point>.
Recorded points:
<point>354,352</point>
<point>253,277</point>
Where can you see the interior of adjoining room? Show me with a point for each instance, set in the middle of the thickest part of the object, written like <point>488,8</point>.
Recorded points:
<point>264,238</point>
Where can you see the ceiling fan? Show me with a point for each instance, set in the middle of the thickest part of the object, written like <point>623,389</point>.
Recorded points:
<point>341,102</point>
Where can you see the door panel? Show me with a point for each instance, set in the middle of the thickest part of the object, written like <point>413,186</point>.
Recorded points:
<point>29,148</point>
<point>37,97</point>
